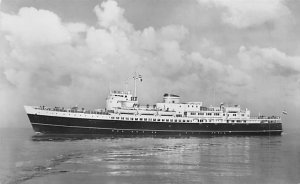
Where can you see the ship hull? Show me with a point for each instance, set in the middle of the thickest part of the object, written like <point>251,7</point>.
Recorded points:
<point>67,125</point>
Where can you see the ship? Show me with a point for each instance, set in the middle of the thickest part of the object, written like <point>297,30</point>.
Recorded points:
<point>123,115</point>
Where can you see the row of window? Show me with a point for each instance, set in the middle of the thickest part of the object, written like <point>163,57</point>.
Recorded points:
<point>202,113</point>
<point>151,119</point>
<point>210,114</point>
<point>235,114</point>
<point>237,121</point>
<point>177,120</point>
<point>121,96</point>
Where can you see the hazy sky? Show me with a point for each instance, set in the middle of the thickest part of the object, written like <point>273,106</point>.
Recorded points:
<point>66,53</point>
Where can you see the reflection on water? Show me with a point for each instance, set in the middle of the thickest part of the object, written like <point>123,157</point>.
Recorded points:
<point>111,159</point>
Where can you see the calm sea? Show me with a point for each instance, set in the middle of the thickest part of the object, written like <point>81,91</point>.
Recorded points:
<point>26,158</point>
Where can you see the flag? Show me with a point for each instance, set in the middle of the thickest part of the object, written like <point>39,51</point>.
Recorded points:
<point>140,78</point>
<point>284,112</point>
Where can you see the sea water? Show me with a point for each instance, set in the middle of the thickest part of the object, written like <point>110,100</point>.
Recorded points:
<point>34,159</point>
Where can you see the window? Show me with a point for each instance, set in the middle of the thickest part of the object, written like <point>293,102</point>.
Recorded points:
<point>187,120</point>
<point>117,118</point>
<point>127,118</point>
<point>234,114</point>
<point>158,119</point>
<point>175,120</point>
<point>122,117</point>
<point>162,119</point>
<point>217,114</point>
<point>183,121</point>
<point>136,119</point>
<point>167,120</point>
<point>131,118</point>
<point>193,113</point>
<point>112,117</point>
<point>145,119</point>
<point>141,119</point>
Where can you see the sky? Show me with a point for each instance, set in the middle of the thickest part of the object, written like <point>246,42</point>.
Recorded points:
<point>71,52</point>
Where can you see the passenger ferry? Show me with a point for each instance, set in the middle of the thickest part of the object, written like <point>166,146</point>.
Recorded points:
<point>124,115</point>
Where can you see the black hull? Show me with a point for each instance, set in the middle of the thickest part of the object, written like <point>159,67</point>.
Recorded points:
<point>63,125</point>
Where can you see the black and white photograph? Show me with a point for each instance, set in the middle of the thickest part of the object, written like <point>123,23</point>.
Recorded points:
<point>149,91</point>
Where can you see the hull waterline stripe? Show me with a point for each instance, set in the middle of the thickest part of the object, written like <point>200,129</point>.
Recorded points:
<point>150,130</point>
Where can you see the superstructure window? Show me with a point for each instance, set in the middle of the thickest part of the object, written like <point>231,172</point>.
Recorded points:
<point>193,113</point>
<point>141,119</point>
<point>145,119</point>
<point>217,114</point>
<point>136,119</point>
<point>117,118</point>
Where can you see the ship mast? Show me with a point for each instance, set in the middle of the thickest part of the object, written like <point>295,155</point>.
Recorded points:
<point>135,77</point>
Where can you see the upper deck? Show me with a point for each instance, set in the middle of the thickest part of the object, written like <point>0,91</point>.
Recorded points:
<point>141,115</point>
